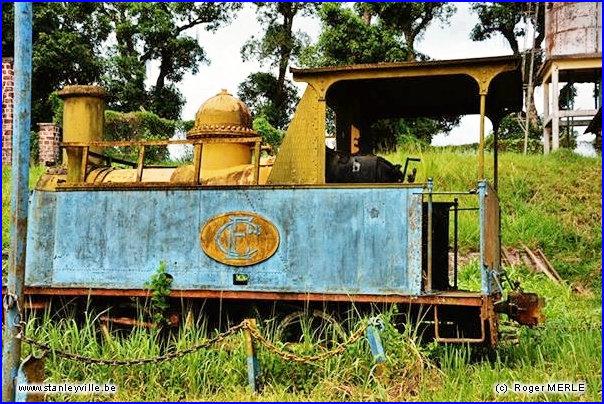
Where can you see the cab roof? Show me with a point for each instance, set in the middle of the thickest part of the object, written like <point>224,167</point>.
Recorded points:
<point>422,89</point>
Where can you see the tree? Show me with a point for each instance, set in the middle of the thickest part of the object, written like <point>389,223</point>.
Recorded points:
<point>156,32</point>
<point>349,37</point>
<point>67,40</point>
<point>346,38</point>
<point>280,43</point>
<point>270,135</point>
<point>409,18</point>
<point>260,92</point>
<point>70,46</point>
<point>500,18</point>
<point>503,18</point>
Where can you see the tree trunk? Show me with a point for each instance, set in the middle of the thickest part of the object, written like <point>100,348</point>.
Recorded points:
<point>284,61</point>
<point>367,17</point>
<point>409,41</point>
<point>533,115</point>
<point>160,83</point>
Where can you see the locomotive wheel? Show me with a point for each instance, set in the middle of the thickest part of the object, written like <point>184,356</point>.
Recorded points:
<point>316,327</point>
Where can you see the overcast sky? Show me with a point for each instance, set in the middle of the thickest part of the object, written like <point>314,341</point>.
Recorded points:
<point>227,70</point>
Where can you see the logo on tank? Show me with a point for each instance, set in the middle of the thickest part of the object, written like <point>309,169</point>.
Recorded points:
<point>239,238</point>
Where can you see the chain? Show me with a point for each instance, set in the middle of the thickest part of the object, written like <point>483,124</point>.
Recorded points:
<point>129,362</point>
<point>291,357</point>
<point>245,324</point>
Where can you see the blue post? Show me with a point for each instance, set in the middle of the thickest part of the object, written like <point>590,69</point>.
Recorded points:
<point>482,220</point>
<point>375,343</point>
<point>377,350</point>
<point>11,351</point>
<point>253,368</point>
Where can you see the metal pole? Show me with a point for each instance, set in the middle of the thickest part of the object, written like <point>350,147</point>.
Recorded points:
<point>455,239</point>
<point>11,351</point>
<point>482,221</point>
<point>483,107</point>
<point>529,91</point>
<point>555,109</point>
<point>496,154</point>
<point>429,238</point>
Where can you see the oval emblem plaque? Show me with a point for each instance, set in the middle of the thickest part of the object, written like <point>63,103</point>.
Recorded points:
<point>239,238</point>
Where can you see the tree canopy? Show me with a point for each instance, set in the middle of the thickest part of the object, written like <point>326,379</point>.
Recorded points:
<point>260,91</point>
<point>502,18</point>
<point>410,19</point>
<point>67,40</point>
<point>157,32</point>
<point>347,39</point>
<point>351,36</point>
<point>112,44</point>
<point>279,45</point>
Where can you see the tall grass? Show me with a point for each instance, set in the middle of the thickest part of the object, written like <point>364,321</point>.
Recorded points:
<point>34,174</point>
<point>219,372</point>
<point>566,348</point>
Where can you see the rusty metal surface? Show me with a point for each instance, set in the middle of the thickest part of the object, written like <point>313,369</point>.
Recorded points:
<point>131,322</point>
<point>109,239</point>
<point>239,238</point>
<point>490,241</point>
<point>490,316</point>
<point>525,308</point>
<point>492,233</point>
<point>487,320</point>
<point>135,186</point>
<point>573,28</point>
<point>449,298</point>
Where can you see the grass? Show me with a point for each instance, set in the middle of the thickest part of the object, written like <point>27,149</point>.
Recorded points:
<point>35,172</point>
<point>552,202</point>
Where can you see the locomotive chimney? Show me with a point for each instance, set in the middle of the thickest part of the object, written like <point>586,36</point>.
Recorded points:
<point>83,121</point>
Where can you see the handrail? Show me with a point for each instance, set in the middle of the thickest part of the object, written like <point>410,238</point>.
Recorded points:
<point>143,144</point>
<point>124,143</point>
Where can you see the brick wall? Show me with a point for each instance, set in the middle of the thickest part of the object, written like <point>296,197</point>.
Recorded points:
<point>7,110</point>
<point>48,143</point>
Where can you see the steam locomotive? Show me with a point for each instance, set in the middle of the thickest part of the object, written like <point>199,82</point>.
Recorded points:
<point>232,226</point>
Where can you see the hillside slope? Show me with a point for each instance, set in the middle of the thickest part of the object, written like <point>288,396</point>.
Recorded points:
<point>551,202</point>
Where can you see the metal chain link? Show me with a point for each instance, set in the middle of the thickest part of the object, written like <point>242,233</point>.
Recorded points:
<point>245,324</point>
<point>292,357</point>
<point>129,362</point>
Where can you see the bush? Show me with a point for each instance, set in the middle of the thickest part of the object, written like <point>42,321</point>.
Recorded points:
<point>515,145</point>
<point>269,134</point>
<point>511,137</point>
<point>34,147</point>
<point>141,125</point>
